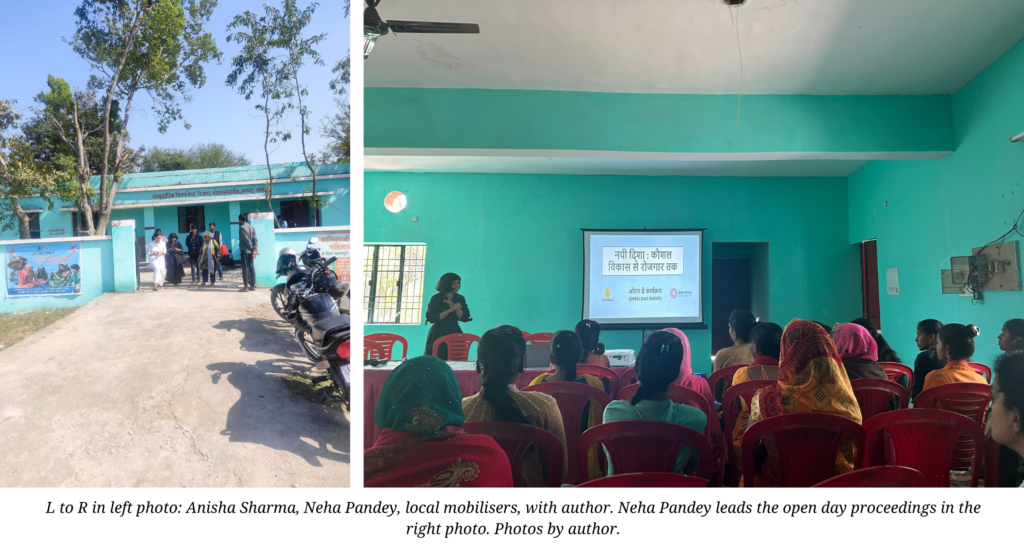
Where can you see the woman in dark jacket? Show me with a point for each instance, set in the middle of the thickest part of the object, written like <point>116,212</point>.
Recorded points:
<point>445,310</point>
<point>175,260</point>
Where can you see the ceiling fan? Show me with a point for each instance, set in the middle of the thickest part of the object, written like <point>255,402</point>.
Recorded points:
<point>374,27</point>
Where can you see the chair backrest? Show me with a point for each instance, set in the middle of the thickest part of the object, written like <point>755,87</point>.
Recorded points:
<point>803,447</point>
<point>539,338</point>
<point>526,336</point>
<point>731,409</point>
<point>387,344</point>
<point>924,440</point>
<point>967,399</point>
<point>679,395</point>
<point>572,399</point>
<point>628,377</point>
<point>895,370</point>
<point>458,346</point>
<point>726,373</point>
<point>873,396</point>
<point>650,479</point>
<point>637,446</point>
<point>982,370</point>
<point>603,373</point>
<point>371,350</point>
<point>515,439</point>
<point>882,476</point>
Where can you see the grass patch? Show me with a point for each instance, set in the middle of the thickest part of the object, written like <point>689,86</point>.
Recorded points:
<point>16,327</point>
<point>301,387</point>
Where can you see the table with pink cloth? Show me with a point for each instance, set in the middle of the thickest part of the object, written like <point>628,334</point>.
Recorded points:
<point>465,374</point>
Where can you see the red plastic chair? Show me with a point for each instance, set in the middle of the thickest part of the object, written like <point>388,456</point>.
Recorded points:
<point>895,370</point>
<point>515,439</point>
<point>803,447</point>
<point>725,373</point>
<point>650,479</point>
<point>679,395</point>
<point>371,350</point>
<point>982,370</point>
<point>873,396</point>
<point>539,338</point>
<point>603,373</point>
<point>882,476</point>
<point>922,439</point>
<point>526,337</point>
<point>572,399</point>
<point>387,344</point>
<point>637,446</point>
<point>967,399</point>
<point>628,377</point>
<point>458,346</point>
<point>731,410</point>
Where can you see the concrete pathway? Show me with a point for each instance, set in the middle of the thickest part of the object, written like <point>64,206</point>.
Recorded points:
<point>175,388</point>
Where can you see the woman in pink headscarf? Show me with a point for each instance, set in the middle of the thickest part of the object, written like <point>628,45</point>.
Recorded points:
<point>859,352</point>
<point>686,377</point>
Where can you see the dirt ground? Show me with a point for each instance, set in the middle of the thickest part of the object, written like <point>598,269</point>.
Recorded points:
<point>182,387</point>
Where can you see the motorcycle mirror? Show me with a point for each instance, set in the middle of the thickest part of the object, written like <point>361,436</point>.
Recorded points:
<point>314,240</point>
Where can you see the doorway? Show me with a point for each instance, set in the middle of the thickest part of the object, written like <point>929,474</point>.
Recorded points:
<point>739,281</point>
<point>869,282</point>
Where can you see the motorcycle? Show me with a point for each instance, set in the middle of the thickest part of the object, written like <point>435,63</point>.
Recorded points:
<point>328,331</point>
<point>306,272</point>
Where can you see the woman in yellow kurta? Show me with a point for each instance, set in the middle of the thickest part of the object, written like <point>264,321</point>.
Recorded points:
<point>811,380</point>
<point>765,340</point>
<point>955,346</point>
<point>564,352</point>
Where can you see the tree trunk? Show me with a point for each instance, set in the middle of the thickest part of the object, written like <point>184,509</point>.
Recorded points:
<point>23,220</point>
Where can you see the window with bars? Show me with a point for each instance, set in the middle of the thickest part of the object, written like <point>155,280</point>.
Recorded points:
<point>393,283</point>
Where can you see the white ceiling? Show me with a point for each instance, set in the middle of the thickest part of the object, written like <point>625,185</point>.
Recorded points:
<point>689,46</point>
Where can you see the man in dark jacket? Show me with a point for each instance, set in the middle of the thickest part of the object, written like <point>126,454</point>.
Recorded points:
<point>194,243</point>
<point>220,240</point>
<point>247,247</point>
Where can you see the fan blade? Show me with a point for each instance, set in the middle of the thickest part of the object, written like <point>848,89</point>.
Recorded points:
<point>432,27</point>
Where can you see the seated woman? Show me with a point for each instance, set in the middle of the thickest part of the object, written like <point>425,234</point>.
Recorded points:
<point>422,443</point>
<point>1012,337</point>
<point>811,380</point>
<point>859,352</point>
<point>589,332</point>
<point>564,353</point>
<point>928,360</point>
<point>765,340</point>
<point>501,357</point>
<point>657,367</point>
<point>1005,424</point>
<point>740,324</point>
<point>955,347</point>
<point>686,377</point>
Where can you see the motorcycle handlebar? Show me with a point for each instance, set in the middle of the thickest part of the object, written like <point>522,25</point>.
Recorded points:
<point>330,260</point>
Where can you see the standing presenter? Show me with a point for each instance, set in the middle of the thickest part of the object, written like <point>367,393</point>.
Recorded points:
<point>445,310</point>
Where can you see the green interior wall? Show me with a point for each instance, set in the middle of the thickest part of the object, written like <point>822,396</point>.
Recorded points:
<point>516,240</point>
<point>924,212</point>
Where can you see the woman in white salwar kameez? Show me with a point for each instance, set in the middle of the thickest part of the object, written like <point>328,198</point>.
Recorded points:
<point>157,251</point>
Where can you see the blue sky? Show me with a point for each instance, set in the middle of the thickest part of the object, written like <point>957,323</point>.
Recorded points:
<point>33,46</point>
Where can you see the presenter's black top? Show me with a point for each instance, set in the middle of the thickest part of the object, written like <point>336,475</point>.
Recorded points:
<point>446,326</point>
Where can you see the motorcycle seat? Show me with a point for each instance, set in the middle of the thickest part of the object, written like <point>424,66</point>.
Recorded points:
<point>323,326</point>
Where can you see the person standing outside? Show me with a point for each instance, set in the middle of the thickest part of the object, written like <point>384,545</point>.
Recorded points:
<point>194,243</point>
<point>209,258</point>
<point>157,250</point>
<point>219,240</point>
<point>247,248</point>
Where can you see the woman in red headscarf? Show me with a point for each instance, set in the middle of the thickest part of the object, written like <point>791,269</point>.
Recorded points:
<point>811,380</point>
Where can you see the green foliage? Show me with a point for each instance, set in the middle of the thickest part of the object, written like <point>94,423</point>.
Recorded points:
<point>200,156</point>
<point>335,128</point>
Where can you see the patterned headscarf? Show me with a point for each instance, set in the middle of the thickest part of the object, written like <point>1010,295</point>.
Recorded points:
<point>811,377</point>
<point>420,396</point>
<point>854,341</point>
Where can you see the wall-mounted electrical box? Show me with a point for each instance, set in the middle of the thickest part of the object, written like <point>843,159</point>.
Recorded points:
<point>988,268</point>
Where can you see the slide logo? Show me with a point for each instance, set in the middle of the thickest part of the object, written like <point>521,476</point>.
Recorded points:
<point>673,293</point>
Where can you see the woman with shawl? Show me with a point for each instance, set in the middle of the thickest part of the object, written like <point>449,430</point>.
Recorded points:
<point>811,380</point>
<point>61,277</point>
<point>208,258</point>
<point>422,443</point>
<point>175,260</point>
<point>859,352</point>
<point>157,252</point>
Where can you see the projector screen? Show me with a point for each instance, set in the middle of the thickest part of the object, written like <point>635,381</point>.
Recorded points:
<point>641,279</point>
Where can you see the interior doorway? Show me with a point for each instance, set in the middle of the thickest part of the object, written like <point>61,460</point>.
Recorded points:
<point>869,282</point>
<point>739,281</point>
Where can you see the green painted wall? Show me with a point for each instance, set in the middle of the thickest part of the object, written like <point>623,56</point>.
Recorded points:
<point>473,118</point>
<point>516,240</point>
<point>924,212</point>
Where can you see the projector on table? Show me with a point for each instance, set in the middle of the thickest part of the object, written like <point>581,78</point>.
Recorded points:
<point>620,358</point>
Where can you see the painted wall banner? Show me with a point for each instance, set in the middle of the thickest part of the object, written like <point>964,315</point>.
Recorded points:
<point>44,269</point>
<point>337,244</point>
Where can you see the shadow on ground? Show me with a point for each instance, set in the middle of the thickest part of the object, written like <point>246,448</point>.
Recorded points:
<point>255,331</point>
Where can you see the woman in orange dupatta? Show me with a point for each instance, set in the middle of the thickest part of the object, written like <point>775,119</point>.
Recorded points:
<point>422,443</point>
<point>811,380</point>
